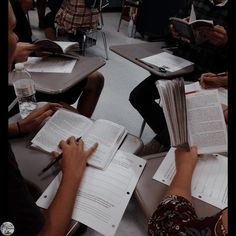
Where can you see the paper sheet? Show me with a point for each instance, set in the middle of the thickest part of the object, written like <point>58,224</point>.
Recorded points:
<point>49,64</point>
<point>103,195</point>
<point>209,182</point>
<point>195,87</point>
<point>168,61</point>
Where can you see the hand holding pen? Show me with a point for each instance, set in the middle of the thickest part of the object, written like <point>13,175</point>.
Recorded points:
<point>211,80</point>
<point>73,156</point>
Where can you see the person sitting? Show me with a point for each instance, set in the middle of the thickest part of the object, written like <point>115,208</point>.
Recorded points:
<point>175,215</point>
<point>22,210</point>
<point>68,15</point>
<point>88,90</point>
<point>74,14</point>
<point>208,56</point>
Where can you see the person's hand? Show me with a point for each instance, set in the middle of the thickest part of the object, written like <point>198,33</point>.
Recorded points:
<point>74,158</point>
<point>23,50</point>
<point>37,116</point>
<point>218,36</point>
<point>225,112</point>
<point>186,160</point>
<point>211,80</point>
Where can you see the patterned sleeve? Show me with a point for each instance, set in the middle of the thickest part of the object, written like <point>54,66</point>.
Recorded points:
<point>175,215</point>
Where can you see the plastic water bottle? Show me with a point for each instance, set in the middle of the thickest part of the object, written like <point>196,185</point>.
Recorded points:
<point>130,27</point>
<point>25,91</point>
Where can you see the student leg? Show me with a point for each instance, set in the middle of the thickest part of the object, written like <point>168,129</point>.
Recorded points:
<point>143,99</point>
<point>91,93</point>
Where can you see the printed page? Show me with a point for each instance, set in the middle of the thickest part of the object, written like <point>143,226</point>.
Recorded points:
<point>49,64</point>
<point>109,135</point>
<point>64,124</point>
<point>209,182</point>
<point>196,87</point>
<point>168,61</point>
<point>61,125</point>
<point>103,195</point>
<point>206,124</point>
<point>67,46</point>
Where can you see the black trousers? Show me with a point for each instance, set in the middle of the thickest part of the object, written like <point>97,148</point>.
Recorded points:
<point>143,99</point>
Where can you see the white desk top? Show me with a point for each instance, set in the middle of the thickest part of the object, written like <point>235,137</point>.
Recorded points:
<point>55,83</point>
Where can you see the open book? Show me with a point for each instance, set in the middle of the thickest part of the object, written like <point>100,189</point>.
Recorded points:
<point>193,30</point>
<point>59,48</point>
<point>103,195</point>
<point>193,119</point>
<point>64,124</point>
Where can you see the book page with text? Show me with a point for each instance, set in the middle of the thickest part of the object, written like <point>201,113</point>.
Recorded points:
<point>103,195</point>
<point>210,177</point>
<point>109,135</point>
<point>206,124</point>
<point>49,64</point>
<point>61,125</point>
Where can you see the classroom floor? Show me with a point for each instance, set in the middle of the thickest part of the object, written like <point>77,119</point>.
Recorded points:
<point>121,76</point>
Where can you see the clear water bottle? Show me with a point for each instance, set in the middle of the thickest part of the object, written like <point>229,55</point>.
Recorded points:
<point>25,91</point>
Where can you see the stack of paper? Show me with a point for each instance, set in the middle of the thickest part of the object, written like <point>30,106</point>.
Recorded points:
<point>103,195</point>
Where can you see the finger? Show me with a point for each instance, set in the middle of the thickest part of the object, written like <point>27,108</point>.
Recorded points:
<point>91,150</point>
<point>81,144</point>
<point>71,140</point>
<point>43,116</point>
<point>54,154</point>
<point>62,144</point>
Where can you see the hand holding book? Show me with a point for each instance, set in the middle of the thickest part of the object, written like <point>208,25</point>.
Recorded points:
<point>193,119</point>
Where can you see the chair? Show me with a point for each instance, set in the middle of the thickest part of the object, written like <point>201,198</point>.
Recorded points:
<point>87,37</point>
<point>126,6</point>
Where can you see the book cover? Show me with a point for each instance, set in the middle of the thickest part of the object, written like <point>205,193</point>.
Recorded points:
<point>193,30</point>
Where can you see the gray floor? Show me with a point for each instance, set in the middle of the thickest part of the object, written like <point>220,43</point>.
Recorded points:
<point>121,76</point>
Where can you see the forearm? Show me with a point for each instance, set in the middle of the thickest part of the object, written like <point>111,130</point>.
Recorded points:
<point>181,184</point>
<point>13,130</point>
<point>58,215</point>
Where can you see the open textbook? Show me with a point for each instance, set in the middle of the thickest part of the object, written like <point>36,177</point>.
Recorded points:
<point>64,124</point>
<point>59,48</point>
<point>49,64</point>
<point>103,195</point>
<point>193,119</point>
<point>192,30</point>
<point>209,182</point>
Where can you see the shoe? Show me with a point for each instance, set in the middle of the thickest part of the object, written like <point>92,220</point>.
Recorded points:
<point>152,147</point>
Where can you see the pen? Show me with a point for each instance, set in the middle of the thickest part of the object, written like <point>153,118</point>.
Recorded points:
<point>55,160</point>
<point>222,74</point>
